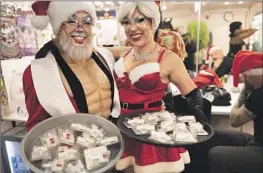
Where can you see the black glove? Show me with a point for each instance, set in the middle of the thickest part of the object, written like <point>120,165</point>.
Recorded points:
<point>254,101</point>
<point>113,120</point>
<point>195,102</point>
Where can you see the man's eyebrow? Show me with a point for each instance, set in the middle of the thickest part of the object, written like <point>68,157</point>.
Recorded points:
<point>88,16</point>
<point>73,16</point>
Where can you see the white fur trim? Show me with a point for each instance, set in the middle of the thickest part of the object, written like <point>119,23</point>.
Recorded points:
<point>59,12</point>
<point>107,55</point>
<point>124,163</point>
<point>186,157</point>
<point>254,72</point>
<point>119,68</point>
<point>49,88</point>
<point>142,70</point>
<point>40,22</point>
<point>161,167</point>
<point>174,89</point>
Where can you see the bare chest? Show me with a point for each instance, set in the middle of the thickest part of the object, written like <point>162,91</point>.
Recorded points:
<point>91,77</point>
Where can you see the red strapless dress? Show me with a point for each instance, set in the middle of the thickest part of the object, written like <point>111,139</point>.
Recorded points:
<point>143,85</point>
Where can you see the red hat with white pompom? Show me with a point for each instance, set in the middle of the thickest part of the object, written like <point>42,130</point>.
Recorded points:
<point>58,12</point>
<point>246,62</point>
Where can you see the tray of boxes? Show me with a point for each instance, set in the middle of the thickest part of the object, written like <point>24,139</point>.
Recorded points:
<point>162,128</point>
<point>77,143</point>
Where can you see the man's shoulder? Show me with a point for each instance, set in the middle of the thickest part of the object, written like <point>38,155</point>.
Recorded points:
<point>106,54</point>
<point>42,59</point>
<point>103,50</point>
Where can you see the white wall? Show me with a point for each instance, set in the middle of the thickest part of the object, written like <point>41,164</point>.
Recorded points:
<point>256,8</point>
<point>220,28</point>
<point>180,18</point>
<point>215,20</point>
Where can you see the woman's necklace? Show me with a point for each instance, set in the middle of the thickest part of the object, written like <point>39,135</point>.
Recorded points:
<point>142,56</point>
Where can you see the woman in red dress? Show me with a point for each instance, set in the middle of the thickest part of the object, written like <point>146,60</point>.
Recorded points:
<point>142,74</point>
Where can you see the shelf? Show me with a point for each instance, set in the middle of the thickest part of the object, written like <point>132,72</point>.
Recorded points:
<point>15,117</point>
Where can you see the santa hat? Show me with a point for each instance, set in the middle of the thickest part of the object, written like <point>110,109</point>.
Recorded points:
<point>58,12</point>
<point>246,62</point>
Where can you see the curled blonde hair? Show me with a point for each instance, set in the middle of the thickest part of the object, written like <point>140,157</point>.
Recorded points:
<point>148,9</point>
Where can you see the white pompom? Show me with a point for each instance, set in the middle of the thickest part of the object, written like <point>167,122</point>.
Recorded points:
<point>40,22</point>
<point>235,89</point>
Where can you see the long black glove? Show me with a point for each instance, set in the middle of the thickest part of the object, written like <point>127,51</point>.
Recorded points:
<point>195,102</point>
<point>254,102</point>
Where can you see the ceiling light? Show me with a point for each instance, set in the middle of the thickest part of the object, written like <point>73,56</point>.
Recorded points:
<point>108,2</point>
<point>120,2</point>
<point>97,3</point>
<point>240,2</point>
<point>164,7</point>
<point>226,3</point>
<point>203,3</point>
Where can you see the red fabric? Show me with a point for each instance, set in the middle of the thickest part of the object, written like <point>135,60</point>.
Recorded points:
<point>36,112</point>
<point>161,56</point>
<point>40,7</point>
<point>207,77</point>
<point>149,88</point>
<point>244,61</point>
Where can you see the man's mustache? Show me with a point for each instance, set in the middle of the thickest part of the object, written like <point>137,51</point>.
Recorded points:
<point>79,34</point>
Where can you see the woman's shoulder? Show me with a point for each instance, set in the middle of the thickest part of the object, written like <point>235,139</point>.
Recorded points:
<point>125,51</point>
<point>119,51</point>
<point>170,56</point>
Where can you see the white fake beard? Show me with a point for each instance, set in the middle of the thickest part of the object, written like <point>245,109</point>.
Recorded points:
<point>73,51</point>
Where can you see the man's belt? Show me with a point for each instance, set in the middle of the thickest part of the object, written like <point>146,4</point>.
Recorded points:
<point>130,106</point>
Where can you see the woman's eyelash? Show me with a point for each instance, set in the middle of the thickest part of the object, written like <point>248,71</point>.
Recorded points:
<point>126,22</point>
<point>140,19</point>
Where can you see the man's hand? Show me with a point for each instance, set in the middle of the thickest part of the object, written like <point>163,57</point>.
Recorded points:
<point>254,101</point>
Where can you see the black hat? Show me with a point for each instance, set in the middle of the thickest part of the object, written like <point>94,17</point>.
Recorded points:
<point>234,26</point>
<point>166,24</point>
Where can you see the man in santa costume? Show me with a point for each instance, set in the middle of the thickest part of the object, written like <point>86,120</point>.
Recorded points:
<point>243,153</point>
<point>217,61</point>
<point>69,75</point>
